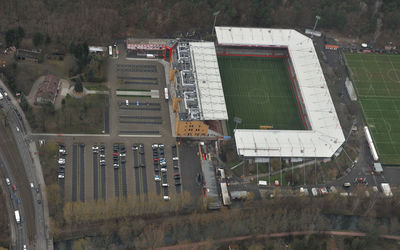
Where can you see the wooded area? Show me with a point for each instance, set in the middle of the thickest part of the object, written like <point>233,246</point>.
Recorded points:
<point>98,21</point>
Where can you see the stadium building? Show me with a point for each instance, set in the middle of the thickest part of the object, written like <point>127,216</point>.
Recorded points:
<point>198,102</point>
<point>150,48</point>
<point>321,135</point>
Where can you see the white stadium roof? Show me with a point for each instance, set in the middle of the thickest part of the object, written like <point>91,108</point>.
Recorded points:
<point>326,135</point>
<point>206,72</point>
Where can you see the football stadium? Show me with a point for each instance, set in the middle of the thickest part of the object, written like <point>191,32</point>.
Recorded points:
<point>377,78</point>
<point>266,85</point>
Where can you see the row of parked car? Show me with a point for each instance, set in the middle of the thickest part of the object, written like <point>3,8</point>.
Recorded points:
<point>62,152</point>
<point>159,161</point>
<point>119,155</point>
<point>175,162</point>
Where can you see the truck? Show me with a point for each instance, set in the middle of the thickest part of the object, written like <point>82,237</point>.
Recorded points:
<point>166,93</point>
<point>386,189</point>
<point>17,217</point>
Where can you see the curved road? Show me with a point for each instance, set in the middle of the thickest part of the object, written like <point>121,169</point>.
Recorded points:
<point>28,172</point>
<point>19,234</point>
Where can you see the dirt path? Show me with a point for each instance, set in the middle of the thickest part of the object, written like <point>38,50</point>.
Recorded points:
<point>272,235</point>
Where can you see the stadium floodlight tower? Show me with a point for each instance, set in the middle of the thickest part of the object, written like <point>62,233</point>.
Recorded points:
<point>215,14</point>
<point>315,25</point>
<point>237,121</point>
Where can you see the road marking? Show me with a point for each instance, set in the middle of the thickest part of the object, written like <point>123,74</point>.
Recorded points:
<point>61,135</point>
<point>140,135</point>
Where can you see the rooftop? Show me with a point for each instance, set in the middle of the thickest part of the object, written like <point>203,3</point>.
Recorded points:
<point>199,82</point>
<point>325,135</point>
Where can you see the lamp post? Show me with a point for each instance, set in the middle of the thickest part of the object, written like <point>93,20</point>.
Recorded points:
<point>215,14</point>
<point>315,25</point>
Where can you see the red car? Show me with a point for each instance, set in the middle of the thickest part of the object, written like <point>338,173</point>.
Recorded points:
<point>115,154</point>
<point>14,187</point>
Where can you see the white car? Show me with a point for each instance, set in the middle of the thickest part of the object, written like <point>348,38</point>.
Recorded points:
<point>166,198</point>
<point>154,146</point>
<point>60,176</point>
<point>157,178</point>
<point>32,186</point>
<point>175,158</point>
<point>165,185</point>
<point>161,146</point>
<point>163,170</point>
<point>8,181</point>
<point>24,247</point>
<point>17,129</point>
<point>61,161</point>
<point>122,154</point>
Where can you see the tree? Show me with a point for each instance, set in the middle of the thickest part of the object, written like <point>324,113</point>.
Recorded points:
<point>47,40</point>
<point>24,103</point>
<point>37,39</point>
<point>14,36</point>
<point>78,86</point>
<point>10,37</point>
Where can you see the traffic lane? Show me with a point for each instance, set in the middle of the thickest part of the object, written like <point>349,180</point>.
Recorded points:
<point>32,170</point>
<point>74,171</point>
<point>124,185</point>
<point>116,182</point>
<point>15,237</point>
<point>144,175</point>
<point>95,177</point>
<point>82,172</point>
<point>130,174</point>
<point>190,168</point>
<point>9,148</point>
<point>137,172</point>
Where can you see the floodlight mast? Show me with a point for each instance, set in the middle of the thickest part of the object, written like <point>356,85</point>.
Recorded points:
<point>215,14</point>
<point>315,25</point>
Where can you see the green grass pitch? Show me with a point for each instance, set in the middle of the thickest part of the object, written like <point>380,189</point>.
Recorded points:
<point>259,91</point>
<point>377,80</point>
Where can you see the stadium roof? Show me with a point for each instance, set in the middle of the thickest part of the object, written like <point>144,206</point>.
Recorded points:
<point>206,73</point>
<point>325,135</point>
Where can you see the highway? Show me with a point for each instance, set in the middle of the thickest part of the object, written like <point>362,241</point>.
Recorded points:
<point>19,232</point>
<point>28,172</point>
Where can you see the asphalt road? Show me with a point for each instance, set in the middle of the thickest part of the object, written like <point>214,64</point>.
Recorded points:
<point>144,176</point>
<point>74,171</point>
<point>18,231</point>
<point>95,177</point>
<point>116,182</point>
<point>124,186</point>
<point>82,172</point>
<point>29,171</point>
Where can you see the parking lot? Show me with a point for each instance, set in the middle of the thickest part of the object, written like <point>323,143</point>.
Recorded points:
<point>139,156</point>
<point>86,180</point>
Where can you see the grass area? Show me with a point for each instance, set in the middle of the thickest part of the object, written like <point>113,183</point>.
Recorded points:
<point>377,80</point>
<point>100,87</point>
<point>259,91</point>
<point>48,154</point>
<point>83,115</point>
